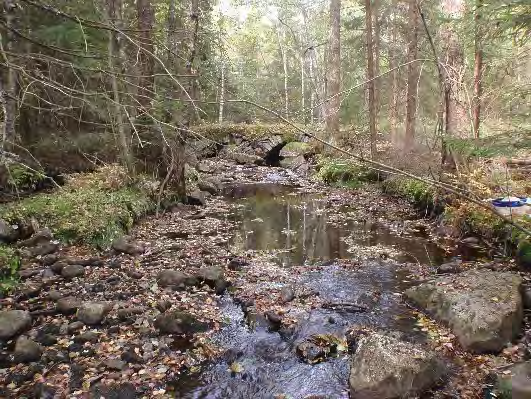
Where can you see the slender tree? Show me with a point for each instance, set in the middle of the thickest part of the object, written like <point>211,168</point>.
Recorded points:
<point>8,86</point>
<point>333,81</point>
<point>370,76</point>
<point>412,75</point>
<point>393,100</point>
<point>478,69</point>
<point>146,20</point>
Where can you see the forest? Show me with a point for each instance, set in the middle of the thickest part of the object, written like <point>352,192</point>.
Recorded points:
<point>265,199</point>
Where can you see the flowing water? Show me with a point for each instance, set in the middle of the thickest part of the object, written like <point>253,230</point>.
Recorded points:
<point>302,229</point>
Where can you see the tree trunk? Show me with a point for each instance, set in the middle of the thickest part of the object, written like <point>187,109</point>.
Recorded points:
<point>370,77</point>
<point>113,8</point>
<point>146,19</point>
<point>9,87</point>
<point>283,55</point>
<point>376,49</point>
<point>478,69</point>
<point>393,101</point>
<point>412,76</point>
<point>303,88</point>
<point>333,81</point>
<point>191,69</point>
<point>222,93</point>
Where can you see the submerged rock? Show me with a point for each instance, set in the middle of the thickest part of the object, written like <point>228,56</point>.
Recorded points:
<point>13,322</point>
<point>177,322</point>
<point>384,367</point>
<point>483,308</point>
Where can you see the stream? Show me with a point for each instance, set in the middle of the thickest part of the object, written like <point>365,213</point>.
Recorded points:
<point>301,229</point>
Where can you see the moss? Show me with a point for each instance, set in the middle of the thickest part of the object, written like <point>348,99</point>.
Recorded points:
<point>417,192</point>
<point>344,173</point>
<point>90,208</point>
<point>218,132</point>
<point>9,266</point>
<point>22,178</point>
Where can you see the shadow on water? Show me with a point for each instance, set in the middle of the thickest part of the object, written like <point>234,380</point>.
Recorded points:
<point>305,230</point>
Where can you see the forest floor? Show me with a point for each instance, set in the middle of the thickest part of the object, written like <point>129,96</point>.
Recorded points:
<point>123,351</point>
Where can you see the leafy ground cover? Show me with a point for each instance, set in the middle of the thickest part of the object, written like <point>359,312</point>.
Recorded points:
<point>91,208</point>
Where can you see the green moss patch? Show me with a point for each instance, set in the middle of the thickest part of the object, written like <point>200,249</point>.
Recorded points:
<point>91,208</point>
<point>9,266</point>
<point>218,132</point>
<point>417,192</point>
<point>344,173</point>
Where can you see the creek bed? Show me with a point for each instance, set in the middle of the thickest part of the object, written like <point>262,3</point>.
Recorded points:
<point>300,230</point>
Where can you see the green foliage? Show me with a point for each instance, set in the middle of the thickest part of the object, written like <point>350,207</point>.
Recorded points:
<point>91,208</point>
<point>344,173</point>
<point>504,144</point>
<point>21,178</point>
<point>9,266</point>
<point>415,191</point>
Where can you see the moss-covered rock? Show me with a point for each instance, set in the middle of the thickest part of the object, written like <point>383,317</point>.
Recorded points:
<point>344,173</point>
<point>523,254</point>
<point>417,192</point>
<point>91,208</point>
<point>221,132</point>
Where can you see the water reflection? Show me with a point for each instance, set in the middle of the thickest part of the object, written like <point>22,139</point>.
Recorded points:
<point>298,227</point>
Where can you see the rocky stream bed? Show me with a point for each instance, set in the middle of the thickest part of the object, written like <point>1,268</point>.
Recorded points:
<point>270,286</point>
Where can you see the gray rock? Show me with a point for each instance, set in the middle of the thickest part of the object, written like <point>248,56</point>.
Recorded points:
<point>7,232</point>
<point>177,322</point>
<point>115,364</point>
<point>287,294</point>
<point>297,164</point>
<point>206,167</point>
<point>483,308</point>
<point>92,313</point>
<point>58,267</point>
<point>214,277</point>
<point>384,368</point>
<point>209,187</point>
<point>127,245</point>
<point>72,271</point>
<point>196,197</point>
<point>167,278</point>
<point>526,297</point>
<point>48,260</point>
<point>31,290</point>
<point>75,326</point>
<point>13,322</point>
<point>89,336</point>
<point>44,249</point>
<point>41,236</point>
<point>245,159</point>
<point>27,351</point>
<point>449,268</point>
<point>237,263</point>
<point>55,295</point>
<point>68,305</point>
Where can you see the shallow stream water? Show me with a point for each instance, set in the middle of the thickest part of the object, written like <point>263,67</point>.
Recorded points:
<point>305,229</point>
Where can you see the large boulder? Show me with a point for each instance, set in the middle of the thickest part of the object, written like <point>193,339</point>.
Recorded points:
<point>385,367</point>
<point>177,322</point>
<point>483,308</point>
<point>13,322</point>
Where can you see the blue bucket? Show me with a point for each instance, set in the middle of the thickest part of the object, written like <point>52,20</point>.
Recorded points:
<point>503,203</point>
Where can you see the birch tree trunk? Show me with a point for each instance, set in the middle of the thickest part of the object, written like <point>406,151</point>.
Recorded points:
<point>412,75</point>
<point>222,93</point>
<point>283,55</point>
<point>303,88</point>
<point>370,77</point>
<point>333,80</point>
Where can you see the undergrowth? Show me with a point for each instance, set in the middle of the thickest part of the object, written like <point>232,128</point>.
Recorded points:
<point>417,192</point>
<point>91,208</point>
<point>9,266</point>
<point>344,173</point>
